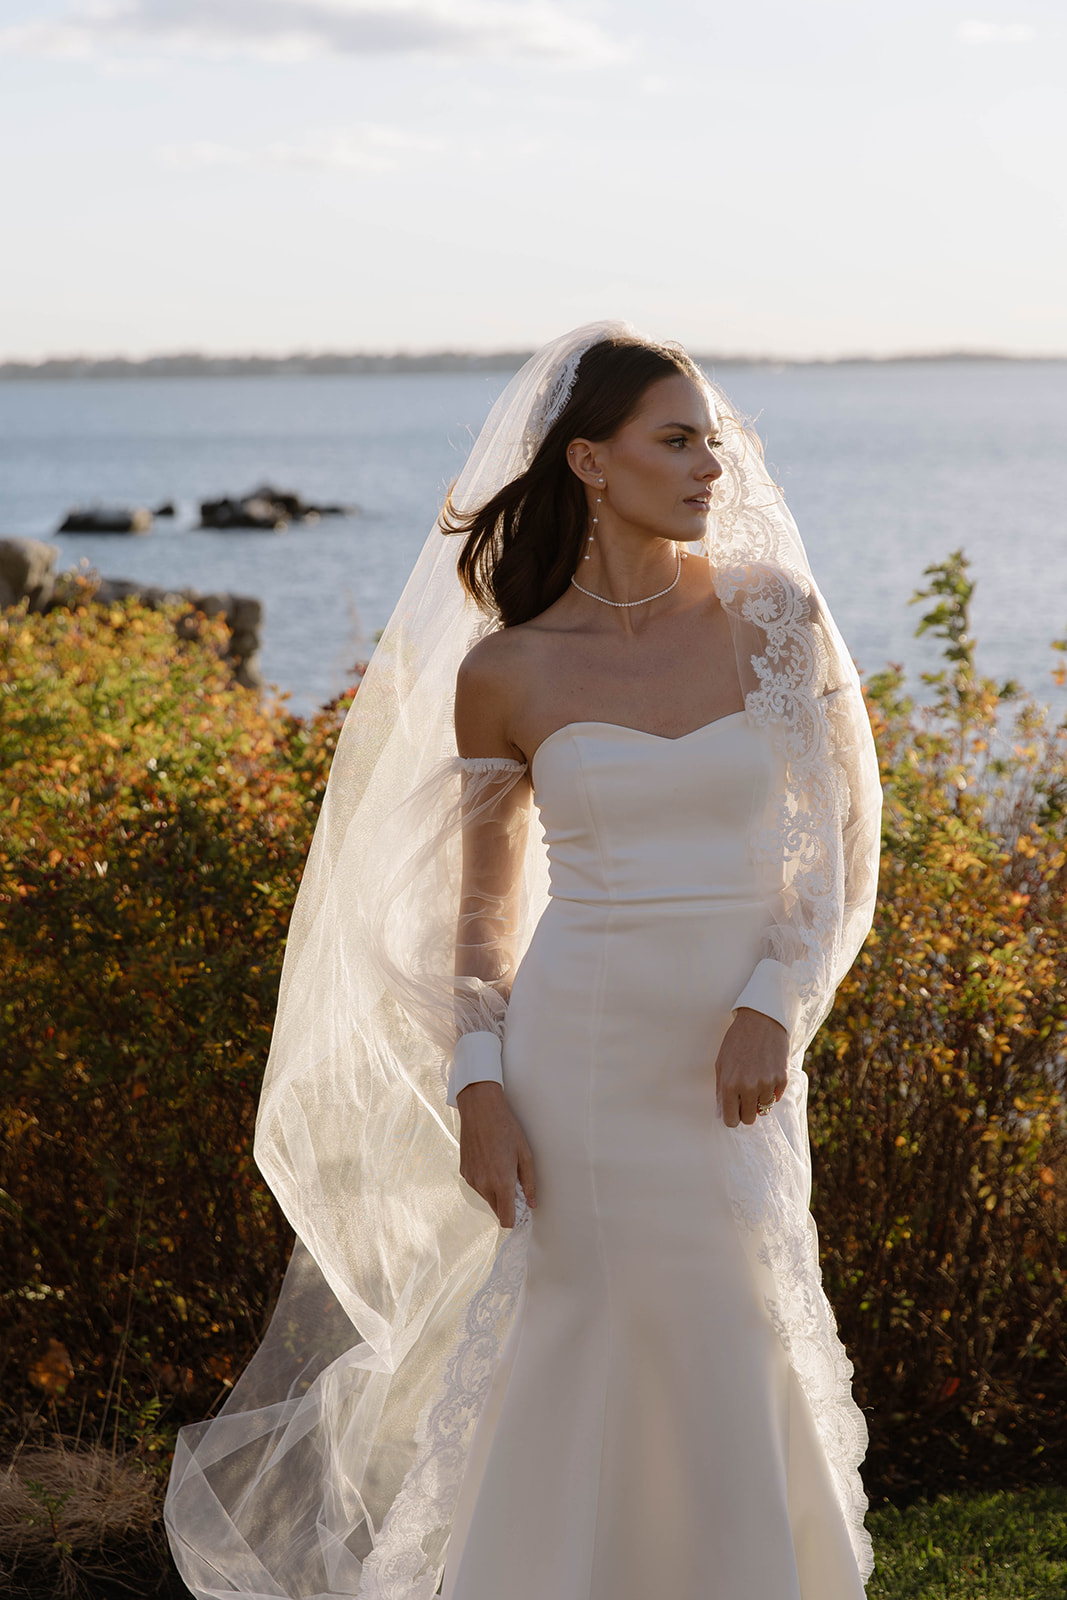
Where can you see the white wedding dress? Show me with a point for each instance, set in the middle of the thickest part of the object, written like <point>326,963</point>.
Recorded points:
<point>669,1416</point>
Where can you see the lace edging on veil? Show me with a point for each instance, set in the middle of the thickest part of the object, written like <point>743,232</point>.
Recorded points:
<point>405,1561</point>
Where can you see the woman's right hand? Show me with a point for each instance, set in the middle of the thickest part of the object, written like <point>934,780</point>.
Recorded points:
<point>493,1151</point>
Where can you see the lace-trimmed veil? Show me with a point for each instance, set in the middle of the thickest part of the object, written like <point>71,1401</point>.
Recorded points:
<point>332,1470</point>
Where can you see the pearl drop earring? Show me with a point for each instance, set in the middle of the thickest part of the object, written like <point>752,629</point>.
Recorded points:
<point>596,519</point>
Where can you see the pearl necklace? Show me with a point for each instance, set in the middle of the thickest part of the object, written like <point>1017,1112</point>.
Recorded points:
<point>647,597</point>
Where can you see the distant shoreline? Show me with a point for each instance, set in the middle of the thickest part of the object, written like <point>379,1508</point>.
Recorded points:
<point>206,366</point>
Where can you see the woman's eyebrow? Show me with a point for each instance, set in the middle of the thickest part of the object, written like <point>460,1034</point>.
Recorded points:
<point>680,427</point>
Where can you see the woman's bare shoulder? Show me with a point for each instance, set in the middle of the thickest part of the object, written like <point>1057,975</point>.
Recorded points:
<point>489,682</point>
<point>503,656</point>
<point>489,662</point>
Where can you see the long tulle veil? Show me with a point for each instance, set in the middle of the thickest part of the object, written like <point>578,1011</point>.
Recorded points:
<point>333,1467</point>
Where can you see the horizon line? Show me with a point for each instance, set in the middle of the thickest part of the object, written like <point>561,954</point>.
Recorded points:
<point>182,363</point>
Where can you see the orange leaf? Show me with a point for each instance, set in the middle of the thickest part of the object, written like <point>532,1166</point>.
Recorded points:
<point>52,1371</point>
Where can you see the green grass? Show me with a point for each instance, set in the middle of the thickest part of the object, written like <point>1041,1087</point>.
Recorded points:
<point>972,1547</point>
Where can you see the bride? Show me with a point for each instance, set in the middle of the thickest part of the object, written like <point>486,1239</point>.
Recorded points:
<point>637,1388</point>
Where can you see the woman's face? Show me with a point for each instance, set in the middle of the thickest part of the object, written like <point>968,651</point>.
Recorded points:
<point>660,468</point>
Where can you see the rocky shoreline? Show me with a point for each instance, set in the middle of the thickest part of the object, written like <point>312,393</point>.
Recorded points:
<point>28,571</point>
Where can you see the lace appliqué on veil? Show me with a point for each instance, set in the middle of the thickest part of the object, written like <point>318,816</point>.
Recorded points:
<point>791,703</point>
<point>817,846</point>
<point>768,1190</point>
<point>407,1559</point>
<point>551,402</point>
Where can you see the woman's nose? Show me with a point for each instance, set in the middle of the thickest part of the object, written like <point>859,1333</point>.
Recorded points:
<point>713,469</point>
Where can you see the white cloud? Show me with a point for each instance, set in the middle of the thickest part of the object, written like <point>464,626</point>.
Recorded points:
<point>62,40</point>
<point>131,67</point>
<point>370,147</point>
<point>200,153</point>
<point>299,29</point>
<point>996,32</point>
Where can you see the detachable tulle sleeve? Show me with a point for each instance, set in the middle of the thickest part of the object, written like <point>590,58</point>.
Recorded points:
<point>452,972</point>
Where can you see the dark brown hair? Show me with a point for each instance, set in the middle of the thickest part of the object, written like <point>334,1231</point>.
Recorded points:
<point>521,548</point>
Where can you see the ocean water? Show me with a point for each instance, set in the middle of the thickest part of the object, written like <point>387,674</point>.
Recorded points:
<point>887,467</point>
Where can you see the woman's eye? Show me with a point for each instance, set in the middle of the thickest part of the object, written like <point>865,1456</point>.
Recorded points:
<point>714,444</point>
<point>679,439</point>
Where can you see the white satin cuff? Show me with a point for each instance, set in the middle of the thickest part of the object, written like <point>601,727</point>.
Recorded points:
<point>772,991</point>
<point>476,1059</point>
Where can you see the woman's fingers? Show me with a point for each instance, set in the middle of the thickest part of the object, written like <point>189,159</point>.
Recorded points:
<point>526,1175</point>
<point>752,1066</point>
<point>496,1188</point>
<point>494,1154</point>
<point>505,1208</point>
<point>751,1100</point>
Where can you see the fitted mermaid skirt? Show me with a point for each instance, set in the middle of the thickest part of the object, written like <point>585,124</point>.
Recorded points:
<point>646,1433</point>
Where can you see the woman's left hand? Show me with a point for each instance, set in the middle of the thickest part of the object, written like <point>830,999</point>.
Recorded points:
<point>752,1066</point>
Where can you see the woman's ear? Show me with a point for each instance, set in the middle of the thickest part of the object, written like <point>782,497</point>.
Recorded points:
<point>584,463</point>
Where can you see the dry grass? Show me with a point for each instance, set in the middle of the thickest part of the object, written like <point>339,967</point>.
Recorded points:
<point>60,1507</point>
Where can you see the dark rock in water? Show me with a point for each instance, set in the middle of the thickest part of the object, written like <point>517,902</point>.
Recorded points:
<point>107,519</point>
<point>27,572</point>
<point>254,511</point>
<point>266,508</point>
<point>289,502</point>
<point>299,509</point>
<point>307,510</point>
<point>167,509</point>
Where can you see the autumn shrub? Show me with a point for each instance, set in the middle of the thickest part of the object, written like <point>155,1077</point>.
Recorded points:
<point>153,825</point>
<point>937,1103</point>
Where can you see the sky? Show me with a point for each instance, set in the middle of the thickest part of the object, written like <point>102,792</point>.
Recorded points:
<point>789,178</point>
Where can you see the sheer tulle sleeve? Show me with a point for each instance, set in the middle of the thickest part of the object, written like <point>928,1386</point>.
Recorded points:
<point>453,979</point>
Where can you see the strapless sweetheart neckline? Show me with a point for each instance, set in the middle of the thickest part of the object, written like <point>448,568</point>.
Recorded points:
<point>624,727</point>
